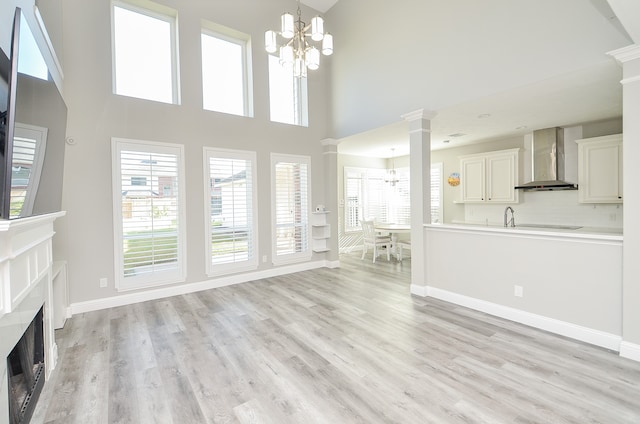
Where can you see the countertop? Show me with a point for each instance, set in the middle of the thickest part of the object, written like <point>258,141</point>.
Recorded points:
<point>611,234</point>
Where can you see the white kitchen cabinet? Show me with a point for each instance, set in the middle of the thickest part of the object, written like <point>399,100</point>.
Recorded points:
<point>490,177</point>
<point>600,169</point>
<point>320,231</point>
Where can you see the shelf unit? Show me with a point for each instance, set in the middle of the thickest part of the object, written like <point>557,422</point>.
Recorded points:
<point>320,231</point>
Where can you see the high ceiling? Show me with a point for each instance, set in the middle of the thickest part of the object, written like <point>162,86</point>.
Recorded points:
<point>320,5</point>
<point>588,91</point>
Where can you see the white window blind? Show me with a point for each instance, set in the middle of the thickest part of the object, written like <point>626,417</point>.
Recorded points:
<point>29,146</point>
<point>290,194</point>
<point>400,206</point>
<point>366,197</point>
<point>149,236</point>
<point>231,208</point>
<point>436,193</point>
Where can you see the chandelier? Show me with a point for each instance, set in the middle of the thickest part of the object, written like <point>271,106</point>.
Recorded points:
<point>296,51</point>
<point>391,175</point>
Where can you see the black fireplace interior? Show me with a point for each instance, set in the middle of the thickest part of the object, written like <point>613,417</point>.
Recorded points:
<point>25,366</point>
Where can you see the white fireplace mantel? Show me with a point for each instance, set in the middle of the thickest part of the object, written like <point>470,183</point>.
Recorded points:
<point>26,279</point>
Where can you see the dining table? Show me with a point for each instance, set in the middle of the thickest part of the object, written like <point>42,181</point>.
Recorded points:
<point>393,230</point>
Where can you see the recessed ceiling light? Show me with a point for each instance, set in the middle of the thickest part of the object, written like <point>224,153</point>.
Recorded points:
<point>445,141</point>
<point>456,135</point>
<point>484,115</point>
<point>521,127</point>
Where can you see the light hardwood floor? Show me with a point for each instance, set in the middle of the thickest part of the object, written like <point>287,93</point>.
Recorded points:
<point>347,345</point>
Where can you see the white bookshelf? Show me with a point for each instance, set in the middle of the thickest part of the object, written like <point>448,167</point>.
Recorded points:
<point>320,231</point>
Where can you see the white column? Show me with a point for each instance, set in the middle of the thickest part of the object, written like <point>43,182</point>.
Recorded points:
<point>420,174</point>
<point>629,58</point>
<point>330,159</point>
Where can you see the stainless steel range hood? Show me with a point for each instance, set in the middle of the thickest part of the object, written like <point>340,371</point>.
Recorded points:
<point>547,162</point>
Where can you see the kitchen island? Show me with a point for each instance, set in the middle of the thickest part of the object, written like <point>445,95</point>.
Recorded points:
<point>567,281</point>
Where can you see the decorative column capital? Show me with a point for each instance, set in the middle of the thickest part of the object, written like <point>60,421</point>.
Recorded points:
<point>419,114</point>
<point>626,54</point>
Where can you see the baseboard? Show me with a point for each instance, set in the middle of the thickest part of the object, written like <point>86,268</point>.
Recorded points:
<point>563,328</point>
<point>131,298</point>
<point>630,351</point>
<point>419,290</point>
<point>53,355</point>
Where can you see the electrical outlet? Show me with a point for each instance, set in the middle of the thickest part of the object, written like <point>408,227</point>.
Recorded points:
<point>518,291</point>
<point>103,282</point>
<point>264,258</point>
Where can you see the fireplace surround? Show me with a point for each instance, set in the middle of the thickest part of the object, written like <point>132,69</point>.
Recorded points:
<point>26,279</point>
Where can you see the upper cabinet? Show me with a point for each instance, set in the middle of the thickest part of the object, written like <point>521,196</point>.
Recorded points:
<point>600,169</point>
<point>490,177</point>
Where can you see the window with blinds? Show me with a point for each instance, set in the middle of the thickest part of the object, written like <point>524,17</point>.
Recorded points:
<point>290,193</point>
<point>148,182</point>
<point>436,193</point>
<point>230,210</point>
<point>29,145</point>
<point>369,195</point>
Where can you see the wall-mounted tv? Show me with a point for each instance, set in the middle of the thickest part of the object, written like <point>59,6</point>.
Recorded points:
<point>33,120</point>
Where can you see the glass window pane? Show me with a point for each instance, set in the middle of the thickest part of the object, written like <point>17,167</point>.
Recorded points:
<point>223,75</point>
<point>143,54</point>
<point>287,95</point>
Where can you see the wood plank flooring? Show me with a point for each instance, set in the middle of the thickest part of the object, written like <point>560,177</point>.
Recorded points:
<point>347,345</point>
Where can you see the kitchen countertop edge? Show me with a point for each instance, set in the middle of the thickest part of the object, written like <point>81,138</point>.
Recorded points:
<point>582,233</point>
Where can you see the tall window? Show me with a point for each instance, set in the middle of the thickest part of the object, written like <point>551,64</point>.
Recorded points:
<point>290,201</point>
<point>287,95</point>
<point>231,210</point>
<point>225,73</point>
<point>369,196</point>
<point>148,198</point>
<point>145,53</point>
<point>436,193</point>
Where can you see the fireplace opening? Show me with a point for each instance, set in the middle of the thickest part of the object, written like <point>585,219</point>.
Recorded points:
<point>25,366</point>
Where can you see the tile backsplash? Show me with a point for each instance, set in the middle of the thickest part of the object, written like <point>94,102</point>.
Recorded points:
<point>550,208</point>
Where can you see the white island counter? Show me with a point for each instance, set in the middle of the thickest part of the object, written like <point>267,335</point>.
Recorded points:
<point>568,281</point>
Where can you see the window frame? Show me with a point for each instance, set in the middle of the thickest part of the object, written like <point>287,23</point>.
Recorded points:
<point>154,279</point>
<point>155,11</point>
<point>300,93</point>
<point>244,41</point>
<point>252,262</point>
<point>307,253</point>
<point>438,167</point>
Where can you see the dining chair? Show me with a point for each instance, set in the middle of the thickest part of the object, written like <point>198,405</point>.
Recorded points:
<point>401,245</point>
<point>375,240</point>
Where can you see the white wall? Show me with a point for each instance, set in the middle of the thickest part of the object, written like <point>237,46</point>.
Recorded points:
<point>381,71</point>
<point>96,115</point>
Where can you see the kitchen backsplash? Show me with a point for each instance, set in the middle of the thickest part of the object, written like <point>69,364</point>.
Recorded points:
<point>548,207</point>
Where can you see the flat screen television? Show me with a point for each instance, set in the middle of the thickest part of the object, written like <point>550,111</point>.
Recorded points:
<point>33,127</point>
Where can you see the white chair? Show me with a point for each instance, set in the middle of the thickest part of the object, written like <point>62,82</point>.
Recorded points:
<point>402,244</point>
<point>371,238</point>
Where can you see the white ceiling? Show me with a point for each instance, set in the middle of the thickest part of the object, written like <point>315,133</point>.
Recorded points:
<point>581,96</point>
<point>320,5</point>
<point>584,96</point>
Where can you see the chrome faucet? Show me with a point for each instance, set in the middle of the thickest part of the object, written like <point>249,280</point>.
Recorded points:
<point>512,221</point>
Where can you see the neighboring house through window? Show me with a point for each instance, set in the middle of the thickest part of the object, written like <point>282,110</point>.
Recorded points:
<point>149,210</point>
<point>231,210</point>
